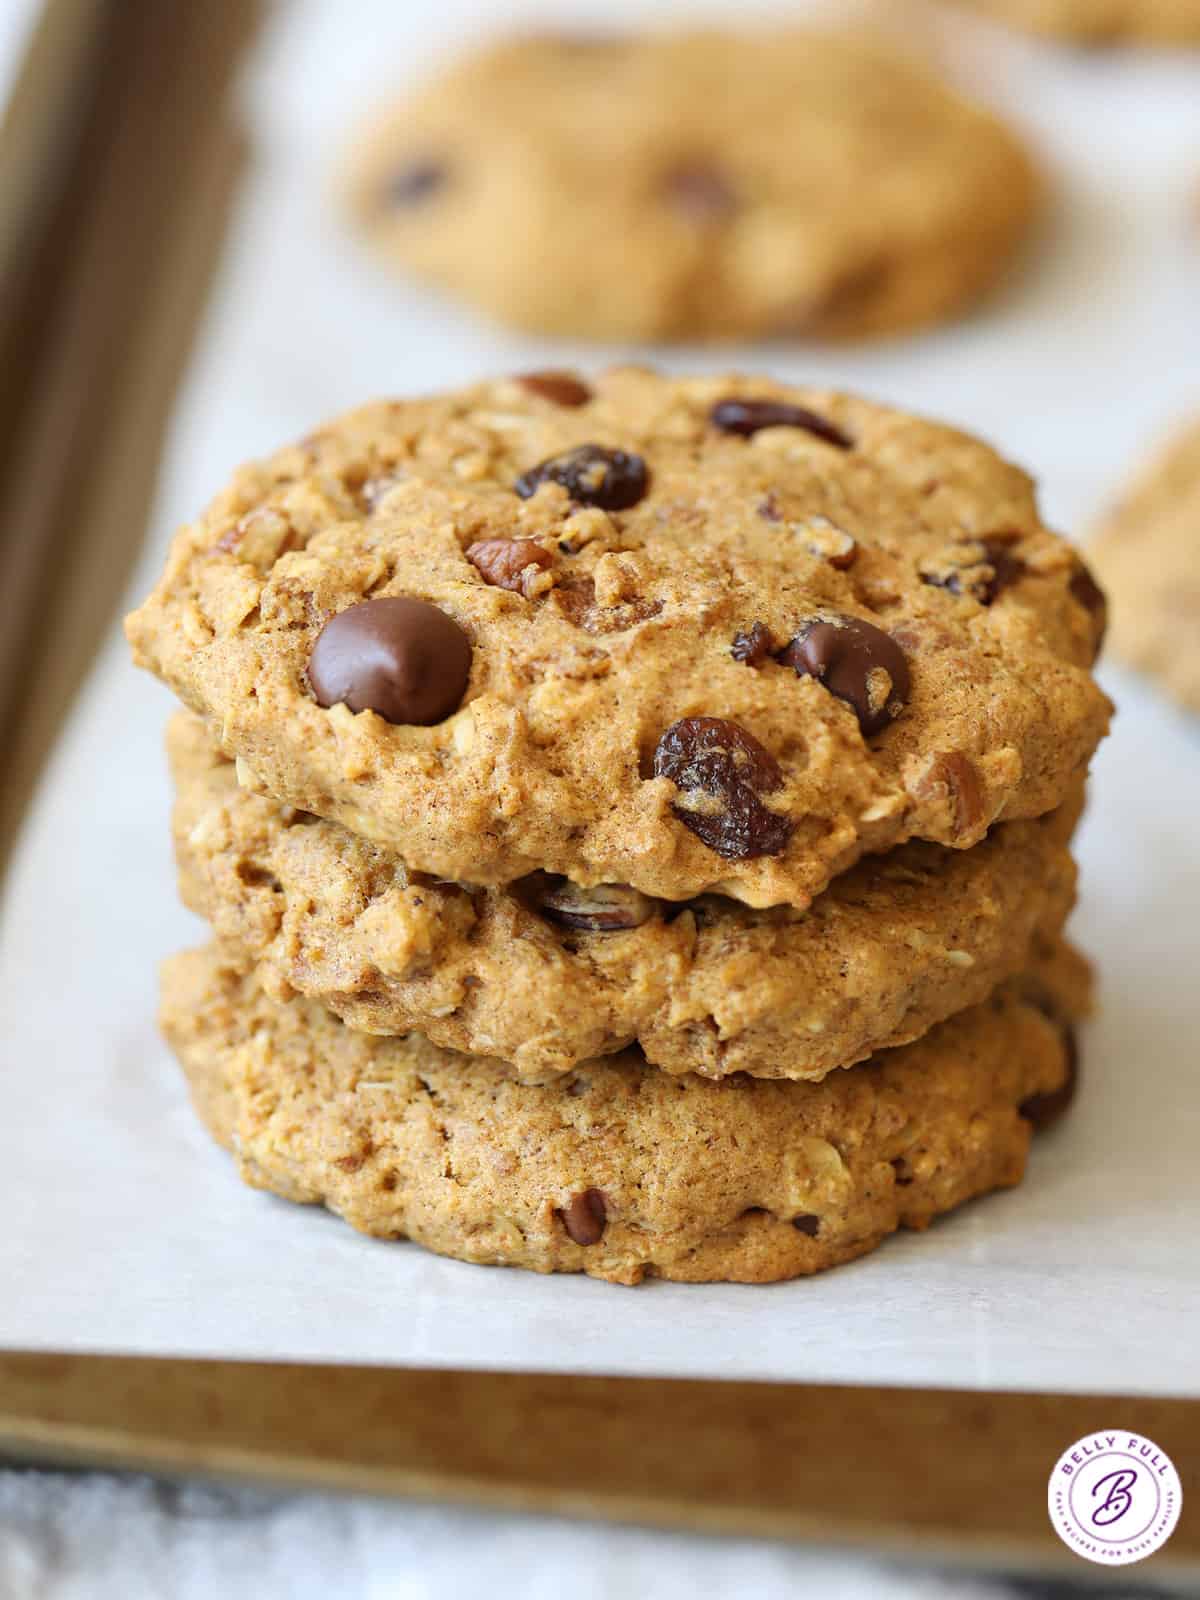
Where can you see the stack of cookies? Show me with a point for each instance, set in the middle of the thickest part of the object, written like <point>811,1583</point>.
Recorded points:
<point>634,816</point>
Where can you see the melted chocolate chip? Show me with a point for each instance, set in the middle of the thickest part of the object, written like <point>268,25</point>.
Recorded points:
<point>857,662</point>
<point>400,657</point>
<point>586,1217</point>
<point>1043,1109</point>
<point>710,756</point>
<point>747,417</point>
<point>504,563</point>
<point>614,480</point>
<point>699,193</point>
<point>414,184</point>
<point>807,1223</point>
<point>561,388</point>
<point>753,647</point>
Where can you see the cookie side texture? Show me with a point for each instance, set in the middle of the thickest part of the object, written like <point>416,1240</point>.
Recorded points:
<point>543,977</point>
<point>617,1170</point>
<point>684,186</point>
<point>1147,552</point>
<point>808,628</point>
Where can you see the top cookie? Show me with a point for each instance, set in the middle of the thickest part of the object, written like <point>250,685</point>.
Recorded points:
<point>686,634</point>
<point>701,185</point>
<point>1104,22</point>
<point>1148,551</point>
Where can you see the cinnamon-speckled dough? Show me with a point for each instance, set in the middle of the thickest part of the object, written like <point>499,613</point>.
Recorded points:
<point>629,625</point>
<point>618,1170</point>
<point>1148,552</point>
<point>695,186</point>
<point>890,948</point>
<point>1104,22</point>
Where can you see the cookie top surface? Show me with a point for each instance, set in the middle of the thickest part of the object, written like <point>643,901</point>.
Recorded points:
<point>1104,22</point>
<point>682,634</point>
<point>1147,552</point>
<point>618,1170</point>
<point>694,185</point>
<point>889,949</point>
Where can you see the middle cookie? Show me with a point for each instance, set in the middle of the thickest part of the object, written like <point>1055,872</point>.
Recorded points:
<point>543,974</point>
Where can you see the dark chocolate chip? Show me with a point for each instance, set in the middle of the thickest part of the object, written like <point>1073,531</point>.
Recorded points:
<point>746,417</point>
<point>857,662</point>
<point>699,193</point>
<point>400,657</point>
<point>614,480</point>
<point>414,184</point>
<point>562,388</point>
<point>807,1223</point>
<point>504,563</point>
<point>1043,1109</point>
<point>586,1216</point>
<point>711,756</point>
<point>753,647</point>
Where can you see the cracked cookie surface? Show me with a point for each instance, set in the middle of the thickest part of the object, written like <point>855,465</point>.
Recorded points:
<point>693,186</point>
<point>543,976</point>
<point>766,630</point>
<point>618,1170</point>
<point>1147,551</point>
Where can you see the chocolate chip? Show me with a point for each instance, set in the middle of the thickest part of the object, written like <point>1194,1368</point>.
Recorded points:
<point>1043,1109</point>
<point>505,563</point>
<point>411,185</point>
<point>400,657</point>
<point>710,756</point>
<point>604,908</point>
<point>754,647</point>
<point>983,568</point>
<point>614,480</point>
<point>562,388</point>
<point>699,193</point>
<point>586,1216</point>
<point>1092,598</point>
<point>747,417</point>
<point>857,662</point>
<point>807,1223</point>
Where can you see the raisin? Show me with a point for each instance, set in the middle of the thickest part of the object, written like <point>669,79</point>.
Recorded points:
<point>711,756</point>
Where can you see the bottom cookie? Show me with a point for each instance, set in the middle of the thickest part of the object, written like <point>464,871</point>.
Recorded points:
<point>615,1169</point>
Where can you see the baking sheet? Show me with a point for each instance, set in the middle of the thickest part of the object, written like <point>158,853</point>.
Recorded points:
<point>126,1231</point>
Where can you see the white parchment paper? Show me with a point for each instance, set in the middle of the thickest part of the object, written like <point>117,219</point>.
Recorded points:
<point>125,1230</point>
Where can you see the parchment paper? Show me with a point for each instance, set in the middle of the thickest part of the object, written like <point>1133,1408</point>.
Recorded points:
<point>125,1230</point>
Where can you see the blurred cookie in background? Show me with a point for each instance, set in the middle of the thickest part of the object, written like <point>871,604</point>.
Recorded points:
<point>1147,555</point>
<point>696,186</point>
<point>1103,22</point>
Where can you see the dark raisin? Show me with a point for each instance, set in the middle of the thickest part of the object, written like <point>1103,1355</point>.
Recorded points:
<point>983,568</point>
<point>708,756</point>
<point>614,480</point>
<point>746,417</point>
<point>753,647</point>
